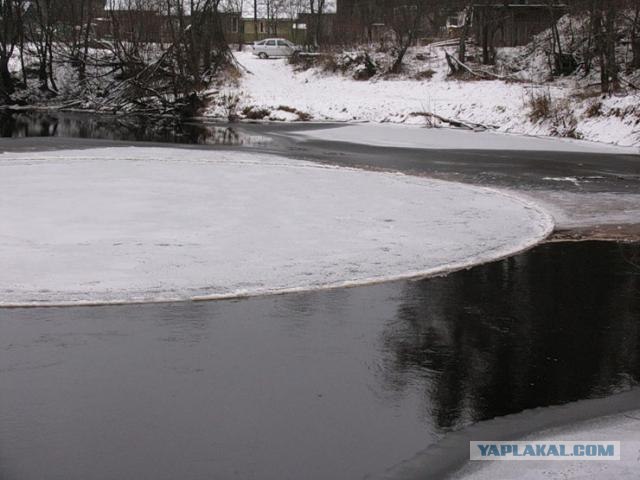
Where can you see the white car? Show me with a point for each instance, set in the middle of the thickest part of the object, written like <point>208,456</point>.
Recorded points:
<point>274,47</point>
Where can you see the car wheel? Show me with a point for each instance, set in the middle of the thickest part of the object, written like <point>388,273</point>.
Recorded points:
<point>263,55</point>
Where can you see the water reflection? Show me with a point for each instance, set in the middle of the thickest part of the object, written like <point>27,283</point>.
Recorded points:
<point>125,128</point>
<point>319,385</point>
<point>557,324</point>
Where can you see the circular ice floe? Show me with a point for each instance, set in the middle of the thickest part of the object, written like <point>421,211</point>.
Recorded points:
<point>152,224</point>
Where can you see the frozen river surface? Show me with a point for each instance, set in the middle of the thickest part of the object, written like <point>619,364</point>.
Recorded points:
<point>158,224</point>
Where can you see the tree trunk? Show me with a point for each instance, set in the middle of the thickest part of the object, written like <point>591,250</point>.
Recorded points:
<point>610,66</point>
<point>634,33</point>
<point>54,87</point>
<point>462,47</point>
<point>397,64</point>
<point>21,54</point>
<point>635,45</point>
<point>486,60</point>
<point>42,71</point>
<point>6,81</point>
<point>318,28</point>
<point>82,72</point>
<point>255,20</point>
<point>635,39</point>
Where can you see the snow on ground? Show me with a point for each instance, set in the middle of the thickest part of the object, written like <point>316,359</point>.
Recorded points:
<point>272,84</point>
<point>144,224</point>
<point>622,427</point>
<point>450,138</point>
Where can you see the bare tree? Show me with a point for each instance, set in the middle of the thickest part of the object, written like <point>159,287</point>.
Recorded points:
<point>314,30</point>
<point>467,8</point>
<point>11,14</point>
<point>275,9</point>
<point>255,19</point>
<point>632,19</point>
<point>490,18</point>
<point>604,19</point>
<point>236,7</point>
<point>41,30</point>
<point>75,32</point>
<point>406,21</point>
<point>167,53</point>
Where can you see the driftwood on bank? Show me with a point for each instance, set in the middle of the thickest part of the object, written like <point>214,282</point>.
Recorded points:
<point>456,67</point>
<point>632,85</point>
<point>454,122</point>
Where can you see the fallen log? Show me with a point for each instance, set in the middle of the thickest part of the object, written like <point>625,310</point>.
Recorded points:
<point>456,66</point>
<point>454,122</point>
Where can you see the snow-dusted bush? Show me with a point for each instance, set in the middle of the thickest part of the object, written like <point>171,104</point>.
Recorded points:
<point>357,64</point>
<point>555,112</point>
<point>229,102</point>
<point>252,112</point>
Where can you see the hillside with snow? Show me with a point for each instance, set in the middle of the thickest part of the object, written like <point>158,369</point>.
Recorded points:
<point>273,89</point>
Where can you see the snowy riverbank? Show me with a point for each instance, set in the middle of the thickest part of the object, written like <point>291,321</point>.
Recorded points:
<point>621,428</point>
<point>273,88</point>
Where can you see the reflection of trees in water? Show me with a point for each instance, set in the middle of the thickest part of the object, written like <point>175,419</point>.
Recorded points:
<point>632,257</point>
<point>28,125</point>
<point>224,136</point>
<point>136,128</point>
<point>112,127</point>
<point>7,123</point>
<point>554,325</point>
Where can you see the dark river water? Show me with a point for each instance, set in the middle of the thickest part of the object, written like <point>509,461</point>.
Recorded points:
<point>14,124</point>
<point>330,384</point>
<point>333,384</point>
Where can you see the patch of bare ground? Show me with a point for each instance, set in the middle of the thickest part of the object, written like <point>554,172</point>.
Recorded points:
<point>628,233</point>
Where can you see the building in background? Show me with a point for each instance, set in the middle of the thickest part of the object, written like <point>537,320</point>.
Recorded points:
<point>514,23</point>
<point>293,30</point>
<point>372,20</point>
<point>151,26</point>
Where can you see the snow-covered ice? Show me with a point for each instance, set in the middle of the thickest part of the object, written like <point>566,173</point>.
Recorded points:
<point>624,428</point>
<point>407,136</point>
<point>149,224</point>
